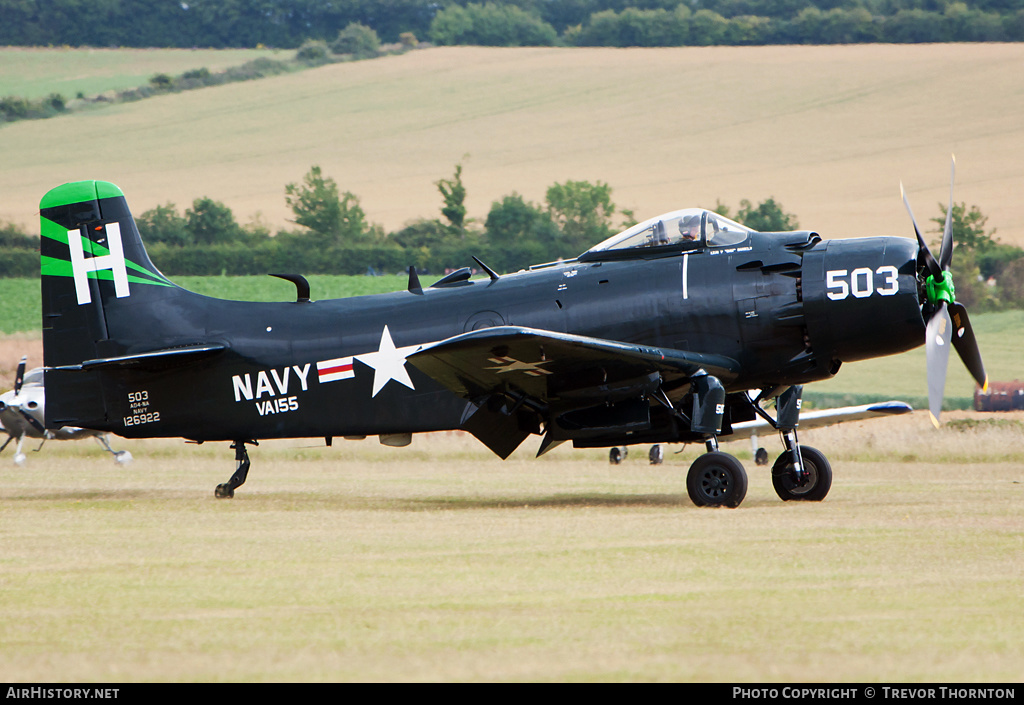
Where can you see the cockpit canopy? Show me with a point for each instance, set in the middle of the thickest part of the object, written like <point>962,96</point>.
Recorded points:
<point>690,227</point>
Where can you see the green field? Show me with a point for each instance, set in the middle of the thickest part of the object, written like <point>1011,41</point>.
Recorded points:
<point>36,73</point>
<point>438,562</point>
<point>829,132</point>
<point>22,302</point>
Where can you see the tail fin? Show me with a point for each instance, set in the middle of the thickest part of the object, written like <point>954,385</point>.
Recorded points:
<point>91,253</point>
<point>91,256</point>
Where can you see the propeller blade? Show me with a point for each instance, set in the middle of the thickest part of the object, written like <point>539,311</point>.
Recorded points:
<point>946,251</point>
<point>32,420</point>
<point>937,337</point>
<point>19,378</point>
<point>924,255</point>
<point>967,345</point>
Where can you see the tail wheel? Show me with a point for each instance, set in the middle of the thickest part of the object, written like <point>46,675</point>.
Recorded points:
<point>818,481</point>
<point>716,479</point>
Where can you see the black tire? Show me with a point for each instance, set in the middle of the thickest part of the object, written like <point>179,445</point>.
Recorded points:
<point>657,454</point>
<point>761,456</point>
<point>615,456</point>
<point>818,483</point>
<point>716,480</point>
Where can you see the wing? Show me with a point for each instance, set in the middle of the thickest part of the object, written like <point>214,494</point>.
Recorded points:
<point>824,417</point>
<point>518,377</point>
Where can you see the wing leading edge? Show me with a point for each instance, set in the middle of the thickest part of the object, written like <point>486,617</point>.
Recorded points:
<point>824,417</point>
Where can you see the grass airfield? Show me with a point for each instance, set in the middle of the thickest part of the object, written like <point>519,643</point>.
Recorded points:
<point>439,562</point>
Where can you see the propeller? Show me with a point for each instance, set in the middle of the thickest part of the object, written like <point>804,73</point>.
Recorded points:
<point>19,377</point>
<point>19,380</point>
<point>948,322</point>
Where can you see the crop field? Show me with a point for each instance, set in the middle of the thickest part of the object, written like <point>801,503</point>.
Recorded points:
<point>33,73</point>
<point>439,562</point>
<point>827,131</point>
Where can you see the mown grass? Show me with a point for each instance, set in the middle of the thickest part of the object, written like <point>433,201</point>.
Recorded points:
<point>33,73</point>
<point>438,562</point>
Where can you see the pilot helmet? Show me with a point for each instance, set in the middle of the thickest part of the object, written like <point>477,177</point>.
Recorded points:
<point>688,222</point>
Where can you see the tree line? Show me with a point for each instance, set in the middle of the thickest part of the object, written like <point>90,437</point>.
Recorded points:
<point>289,23</point>
<point>334,236</point>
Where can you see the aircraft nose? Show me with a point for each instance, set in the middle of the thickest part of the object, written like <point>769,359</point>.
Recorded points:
<point>861,298</point>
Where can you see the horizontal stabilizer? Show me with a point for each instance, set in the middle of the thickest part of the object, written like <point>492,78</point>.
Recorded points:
<point>152,360</point>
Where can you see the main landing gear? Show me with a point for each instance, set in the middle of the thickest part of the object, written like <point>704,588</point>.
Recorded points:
<point>227,490</point>
<point>717,479</point>
<point>800,472</point>
<point>816,480</point>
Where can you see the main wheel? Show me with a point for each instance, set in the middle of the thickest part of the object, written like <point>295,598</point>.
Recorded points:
<point>817,468</point>
<point>716,479</point>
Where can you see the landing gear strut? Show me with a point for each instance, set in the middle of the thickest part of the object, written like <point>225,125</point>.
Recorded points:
<point>227,490</point>
<point>816,480</point>
<point>800,472</point>
<point>715,479</point>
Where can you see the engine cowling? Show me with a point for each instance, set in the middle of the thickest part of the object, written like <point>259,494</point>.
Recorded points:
<point>861,298</point>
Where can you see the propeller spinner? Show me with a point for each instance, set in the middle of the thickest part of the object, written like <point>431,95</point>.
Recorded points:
<point>947,321</point>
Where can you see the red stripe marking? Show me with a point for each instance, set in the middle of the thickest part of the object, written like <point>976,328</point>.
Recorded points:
<point>335,370</point>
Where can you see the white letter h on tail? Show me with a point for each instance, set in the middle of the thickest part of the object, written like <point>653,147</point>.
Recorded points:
<point>81,266</point>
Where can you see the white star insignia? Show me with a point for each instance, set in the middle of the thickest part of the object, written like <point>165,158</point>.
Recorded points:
<point>388,363</point>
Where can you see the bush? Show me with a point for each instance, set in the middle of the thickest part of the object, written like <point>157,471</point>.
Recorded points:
<point>163,224</point>
<point>14,108</point>
<point>358,40</point>
<point>19,263</point>
<point>313,52</point>
<point>210,222</point>
<point>490,25</point>
<point>161,82</point>
<point>1011,284</point>
<point>317,205</point>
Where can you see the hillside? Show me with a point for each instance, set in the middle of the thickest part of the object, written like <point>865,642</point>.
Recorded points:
<point>828,131</point>
<point>30,72</point>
